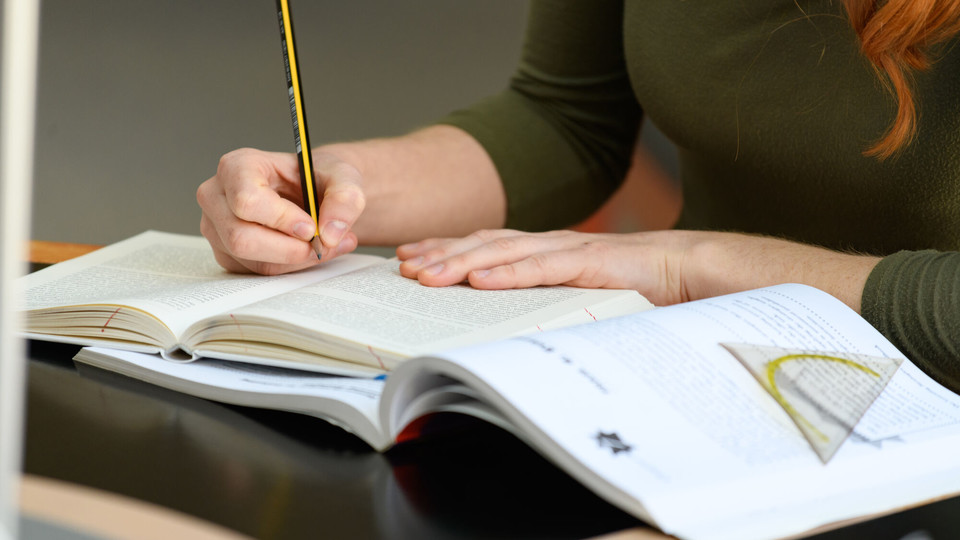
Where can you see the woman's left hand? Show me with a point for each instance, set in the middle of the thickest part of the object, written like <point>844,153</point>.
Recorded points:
<point>508,259</point>
<point>665,266</point>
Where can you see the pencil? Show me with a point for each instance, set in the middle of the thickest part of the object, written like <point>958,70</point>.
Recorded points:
<point>298,114</point>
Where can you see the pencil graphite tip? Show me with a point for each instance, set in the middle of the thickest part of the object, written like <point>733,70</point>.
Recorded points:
<point>317,246</point>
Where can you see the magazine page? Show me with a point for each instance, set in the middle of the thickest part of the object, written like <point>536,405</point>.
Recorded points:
<point>651,412</point>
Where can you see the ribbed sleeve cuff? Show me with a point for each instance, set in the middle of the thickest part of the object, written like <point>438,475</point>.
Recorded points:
<point>913,298</point>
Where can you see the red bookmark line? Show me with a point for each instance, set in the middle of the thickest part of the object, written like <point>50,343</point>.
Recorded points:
<point>369,348</point>
<point>239,328</point>
<point>112,315</point>
<point>590,314</point>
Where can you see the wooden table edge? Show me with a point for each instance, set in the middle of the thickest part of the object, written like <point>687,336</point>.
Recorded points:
<point>109,515</point>
<point>46,252</point>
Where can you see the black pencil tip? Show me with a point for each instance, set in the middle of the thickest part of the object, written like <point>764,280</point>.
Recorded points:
<point>317,247</point>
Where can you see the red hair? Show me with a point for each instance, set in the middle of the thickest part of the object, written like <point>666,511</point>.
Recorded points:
<point>896,36</point>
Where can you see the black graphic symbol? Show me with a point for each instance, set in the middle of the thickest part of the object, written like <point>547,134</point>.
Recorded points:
<point>613,442</point>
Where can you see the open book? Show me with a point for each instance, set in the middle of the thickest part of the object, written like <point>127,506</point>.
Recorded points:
<point>648,410</point>
<point>161,292</point>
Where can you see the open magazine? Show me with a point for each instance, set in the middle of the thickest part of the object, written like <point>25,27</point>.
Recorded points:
<point>648,410</point>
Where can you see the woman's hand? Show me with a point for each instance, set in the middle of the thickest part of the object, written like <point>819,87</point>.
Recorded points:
<point>406,188</point>
<point>665,266</point>
<point>253,215</point>
<point>505,259</point>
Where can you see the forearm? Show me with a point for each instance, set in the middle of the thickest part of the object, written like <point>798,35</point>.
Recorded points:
<point>722,263</point>
<point>434,182</point>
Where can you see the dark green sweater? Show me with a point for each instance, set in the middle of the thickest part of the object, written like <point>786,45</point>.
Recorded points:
<point>770,104</point>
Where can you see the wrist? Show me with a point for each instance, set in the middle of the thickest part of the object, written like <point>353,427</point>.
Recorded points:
<point>351,153</point>
<point>447,184</point>
<point>722,263</point>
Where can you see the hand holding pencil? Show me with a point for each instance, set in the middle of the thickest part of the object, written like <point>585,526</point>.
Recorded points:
<point>262,210</point>
<point>252,220</point>
<point>253,215</point>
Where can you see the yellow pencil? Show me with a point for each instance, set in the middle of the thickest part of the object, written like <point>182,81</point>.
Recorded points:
<point>298,114</point>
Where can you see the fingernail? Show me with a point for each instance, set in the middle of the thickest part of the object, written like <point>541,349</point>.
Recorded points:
<point>332,232</point>
<point>416,262</point>
<point>434,270</point>
<point>304,231</point>
<point>481,273</point>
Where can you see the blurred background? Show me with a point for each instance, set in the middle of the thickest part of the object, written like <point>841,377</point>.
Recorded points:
<point>139,99</point>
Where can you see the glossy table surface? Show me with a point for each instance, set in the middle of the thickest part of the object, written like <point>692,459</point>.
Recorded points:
<point>277,475</point>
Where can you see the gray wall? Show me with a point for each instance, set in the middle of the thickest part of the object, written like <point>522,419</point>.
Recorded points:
<point>138,99</point>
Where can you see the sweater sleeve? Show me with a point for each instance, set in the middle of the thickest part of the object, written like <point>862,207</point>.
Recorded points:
<point>561,135</point>
<point>913,298</point>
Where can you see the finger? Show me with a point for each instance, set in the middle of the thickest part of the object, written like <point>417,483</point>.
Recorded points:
<point>258,248</point>
<point>233,263</point>
<point>433,251</point>
<point>347,245</point>
<point>253,187</point>
<point>342,200</point>
<point>417,249</point>
<point>564,267</point>
<point>219,252</point>
<point>500,248</point>
<point>253,197</point>
<point>413,256</point>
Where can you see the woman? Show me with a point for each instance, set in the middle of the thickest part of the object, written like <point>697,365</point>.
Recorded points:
<point>819,143</point>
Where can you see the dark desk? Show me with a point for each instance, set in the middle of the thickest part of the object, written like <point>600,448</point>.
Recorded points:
<point>279,475</point>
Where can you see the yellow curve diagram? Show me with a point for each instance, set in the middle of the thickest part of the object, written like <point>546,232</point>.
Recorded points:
<point>775,365</point>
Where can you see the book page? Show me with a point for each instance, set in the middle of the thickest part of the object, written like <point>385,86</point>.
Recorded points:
<point>348,402</point>
<point>667,424</point>
<point>376,316</point>
<point>173,277</point>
